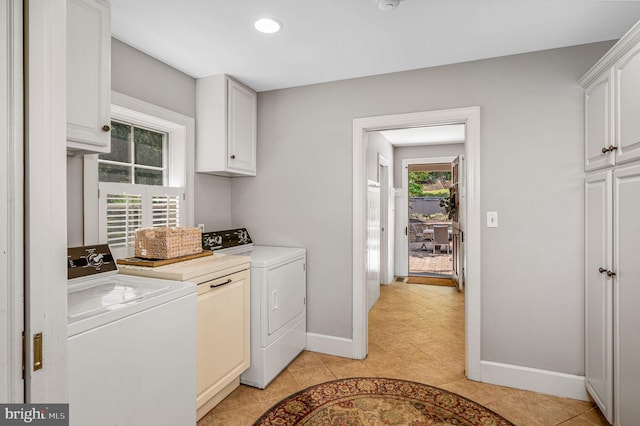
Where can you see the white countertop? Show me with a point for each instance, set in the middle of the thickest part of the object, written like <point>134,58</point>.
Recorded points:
<point>196,270</point>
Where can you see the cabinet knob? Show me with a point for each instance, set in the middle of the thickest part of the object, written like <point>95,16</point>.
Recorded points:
<point>233,157</point>
<point>611,273</point>
<point>106,128</point>
<point>609,148</point>
<point>602,270</point>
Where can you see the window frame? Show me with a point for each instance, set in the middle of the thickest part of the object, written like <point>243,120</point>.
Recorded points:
<point>180,131</point>
<point>132,151</point>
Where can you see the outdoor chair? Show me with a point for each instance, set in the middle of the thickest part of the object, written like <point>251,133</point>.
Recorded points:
<point>440,237</point>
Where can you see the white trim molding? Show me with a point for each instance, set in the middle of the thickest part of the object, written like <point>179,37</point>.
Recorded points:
<point>321,343</point>
<point>471,118</point>
<point>181,131</point>
<point>533,379</point>
<point>11,194</point>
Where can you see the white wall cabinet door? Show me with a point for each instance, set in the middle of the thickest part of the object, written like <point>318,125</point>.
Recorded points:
<point>599,291</point>
<point>628,107</point>
<point>627,295</point>
<point>242,128</point>
<point>226,133</point>
<point>598,132</point>
<point>88,76</point>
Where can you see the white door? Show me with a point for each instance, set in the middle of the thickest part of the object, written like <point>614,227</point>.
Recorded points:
<point>373,244</point>
<point>45,201</point>
<point>598,291</point>
<point>626,290</point>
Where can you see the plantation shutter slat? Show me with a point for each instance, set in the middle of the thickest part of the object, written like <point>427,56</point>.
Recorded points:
<point>123,217</point>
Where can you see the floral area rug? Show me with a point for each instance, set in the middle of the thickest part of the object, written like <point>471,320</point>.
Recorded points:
<point>377,401</point>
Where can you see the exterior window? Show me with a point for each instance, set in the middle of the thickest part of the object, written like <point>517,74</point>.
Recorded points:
<point>145,181</point>
<point>137,156</point>
<point>134,184</point>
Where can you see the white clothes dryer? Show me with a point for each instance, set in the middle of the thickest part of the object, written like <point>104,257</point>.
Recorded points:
<point>278,304</point>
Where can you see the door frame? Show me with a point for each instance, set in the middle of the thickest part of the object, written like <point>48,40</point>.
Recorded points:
<point>11,192</point>
<point>469,116</point>
<point>403,249</point>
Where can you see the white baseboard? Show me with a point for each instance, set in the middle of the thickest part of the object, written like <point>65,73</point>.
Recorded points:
<point>331,345</point>
<point>543,381</point>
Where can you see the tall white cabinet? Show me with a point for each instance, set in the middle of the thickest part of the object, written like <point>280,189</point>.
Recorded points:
<point>612,231</point>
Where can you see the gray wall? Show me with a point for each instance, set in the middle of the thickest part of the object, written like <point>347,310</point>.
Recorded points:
<point>531,146</point>
<point>378,144</point>
<point>138,75</point>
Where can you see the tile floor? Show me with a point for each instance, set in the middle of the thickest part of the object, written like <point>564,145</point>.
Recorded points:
<point>416,332</point>
<point>425,262</point>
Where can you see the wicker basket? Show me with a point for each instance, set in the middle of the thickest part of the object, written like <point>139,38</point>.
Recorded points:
<point>167,243</point>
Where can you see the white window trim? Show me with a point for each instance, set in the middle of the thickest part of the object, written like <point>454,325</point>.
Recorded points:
<point>181,131</point>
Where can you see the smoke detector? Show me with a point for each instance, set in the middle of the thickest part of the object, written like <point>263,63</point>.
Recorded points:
<point>387,5</point>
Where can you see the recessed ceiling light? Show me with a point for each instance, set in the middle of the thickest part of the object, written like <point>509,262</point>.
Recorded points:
<point>267,25</point>
<point>387,5</point>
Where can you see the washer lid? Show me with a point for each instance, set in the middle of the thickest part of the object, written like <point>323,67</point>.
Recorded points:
<point>103,296</point>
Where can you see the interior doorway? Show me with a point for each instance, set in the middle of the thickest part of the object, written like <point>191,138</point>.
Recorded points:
<point>431,207</point>
<point>470,117</point>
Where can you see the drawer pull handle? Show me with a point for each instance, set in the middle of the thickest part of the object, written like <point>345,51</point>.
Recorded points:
<point>229,281</point>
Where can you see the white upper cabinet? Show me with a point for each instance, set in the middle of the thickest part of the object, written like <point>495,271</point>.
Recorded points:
<point>598,133</point>
<point>226,127</point>
<point>628,106</point>
<point>88,76</point>
<point>612,105</point>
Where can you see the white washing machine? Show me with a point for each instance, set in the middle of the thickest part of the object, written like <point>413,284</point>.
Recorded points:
<point>278,303</point>
<point>131,343</point>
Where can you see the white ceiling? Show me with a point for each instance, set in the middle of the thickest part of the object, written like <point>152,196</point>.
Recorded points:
<point>327,40</point>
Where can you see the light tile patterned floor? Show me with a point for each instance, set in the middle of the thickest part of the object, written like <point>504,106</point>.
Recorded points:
<point>416,332</point>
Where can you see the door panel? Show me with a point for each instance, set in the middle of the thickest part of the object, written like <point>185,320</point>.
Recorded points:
<point>286,293</point>
<point>598,291</point>
<point>627,294</point>
<point>373,245</point>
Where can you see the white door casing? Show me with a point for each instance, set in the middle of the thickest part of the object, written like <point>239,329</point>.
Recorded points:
<point>470,116</point>
<point>11,194</point>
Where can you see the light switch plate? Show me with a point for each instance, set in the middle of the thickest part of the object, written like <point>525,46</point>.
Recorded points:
<point>492,219</point>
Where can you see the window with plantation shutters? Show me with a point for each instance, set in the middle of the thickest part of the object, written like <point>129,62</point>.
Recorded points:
<point>127,207</point>
<point>146,180</point>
